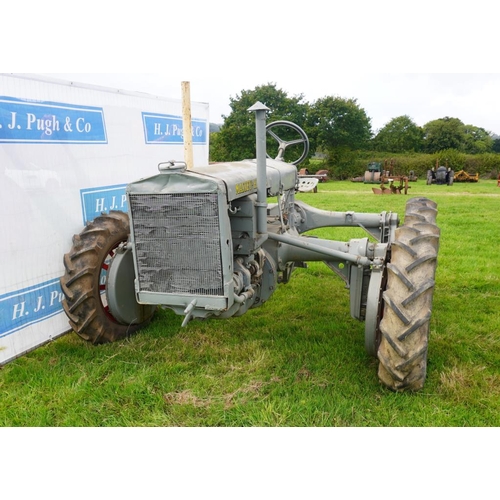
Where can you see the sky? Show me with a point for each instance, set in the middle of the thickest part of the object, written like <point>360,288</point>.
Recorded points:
<point>427,61</point>
<point>471,97</point>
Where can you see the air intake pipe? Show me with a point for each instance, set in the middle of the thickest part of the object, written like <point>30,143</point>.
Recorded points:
<point>260,136</point>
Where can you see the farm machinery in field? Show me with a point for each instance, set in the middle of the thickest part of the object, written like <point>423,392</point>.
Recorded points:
<point>463,176</point>
<point>216,241</point>
<point>443,174</point>
<point>389,183</point>
<point>440,175</point>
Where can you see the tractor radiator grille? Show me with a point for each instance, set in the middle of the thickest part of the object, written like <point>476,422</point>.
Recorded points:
<point>177,243</point>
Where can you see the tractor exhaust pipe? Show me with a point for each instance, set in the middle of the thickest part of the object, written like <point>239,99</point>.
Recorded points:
<point>260,136</point>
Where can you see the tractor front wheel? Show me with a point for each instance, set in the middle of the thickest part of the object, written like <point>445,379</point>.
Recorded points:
<point>408,299</point>
<point>84,283</point>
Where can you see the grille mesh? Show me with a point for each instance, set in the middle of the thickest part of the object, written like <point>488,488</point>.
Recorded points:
<point>177,240</point>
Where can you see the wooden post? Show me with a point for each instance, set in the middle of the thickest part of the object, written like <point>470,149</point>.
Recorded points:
<point>187,125</point>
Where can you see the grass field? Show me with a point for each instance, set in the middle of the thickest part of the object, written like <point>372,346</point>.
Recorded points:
<point>297,361</point>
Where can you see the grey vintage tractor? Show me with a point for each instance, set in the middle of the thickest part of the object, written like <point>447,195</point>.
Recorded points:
<point>215,242</point>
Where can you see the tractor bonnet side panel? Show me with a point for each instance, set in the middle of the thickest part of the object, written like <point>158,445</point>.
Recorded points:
<point>240,177</point>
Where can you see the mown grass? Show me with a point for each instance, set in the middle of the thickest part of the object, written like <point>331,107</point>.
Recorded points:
<point>297,361</point>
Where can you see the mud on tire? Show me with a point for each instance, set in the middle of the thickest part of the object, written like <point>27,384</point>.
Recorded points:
<point>82,283</point>
<point>408,299</point>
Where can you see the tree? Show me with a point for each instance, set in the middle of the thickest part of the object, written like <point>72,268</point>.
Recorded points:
<point>451,133</point>
<point>236,138</point>
<point>338,127</point>
<point>338,123</point>
<point>444,133</point>
<point>477,140</point>
<point>399,135</point>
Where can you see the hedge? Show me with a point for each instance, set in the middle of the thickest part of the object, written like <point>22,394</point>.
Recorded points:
<point>486,164</point>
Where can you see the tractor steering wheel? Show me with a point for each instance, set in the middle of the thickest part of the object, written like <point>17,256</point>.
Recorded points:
<point>283,144</point>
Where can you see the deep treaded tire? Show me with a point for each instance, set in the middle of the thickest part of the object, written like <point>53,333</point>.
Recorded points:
<point>82,284</point>
<point>408,298</point>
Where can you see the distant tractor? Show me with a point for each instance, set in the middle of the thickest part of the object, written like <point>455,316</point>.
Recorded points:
<point>209,243</point>
<point>441,175</point>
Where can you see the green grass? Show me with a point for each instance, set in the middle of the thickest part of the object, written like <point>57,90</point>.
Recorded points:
<point>297,361</point>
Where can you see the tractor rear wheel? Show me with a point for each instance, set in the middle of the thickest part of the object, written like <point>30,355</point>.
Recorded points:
<point>408,299</point>
<point>85,280</point>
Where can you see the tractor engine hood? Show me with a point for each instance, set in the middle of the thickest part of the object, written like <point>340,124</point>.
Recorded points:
<point>237,179</point>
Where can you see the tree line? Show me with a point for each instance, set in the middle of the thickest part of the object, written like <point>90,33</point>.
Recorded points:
<point>338,128</point>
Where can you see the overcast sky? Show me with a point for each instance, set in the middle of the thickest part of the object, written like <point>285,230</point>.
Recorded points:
<point>427,61</point>
<point>473,98</point>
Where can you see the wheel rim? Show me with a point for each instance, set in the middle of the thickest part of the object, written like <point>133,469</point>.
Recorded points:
<point>374,311</point>
<point>103,278</point>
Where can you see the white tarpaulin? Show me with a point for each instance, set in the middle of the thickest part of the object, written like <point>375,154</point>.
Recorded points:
<point>67,151</point>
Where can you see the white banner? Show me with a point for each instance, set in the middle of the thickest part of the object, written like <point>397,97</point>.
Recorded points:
<point>67,151</point>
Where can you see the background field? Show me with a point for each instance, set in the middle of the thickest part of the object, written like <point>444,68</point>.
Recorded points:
<point>297,361</point>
